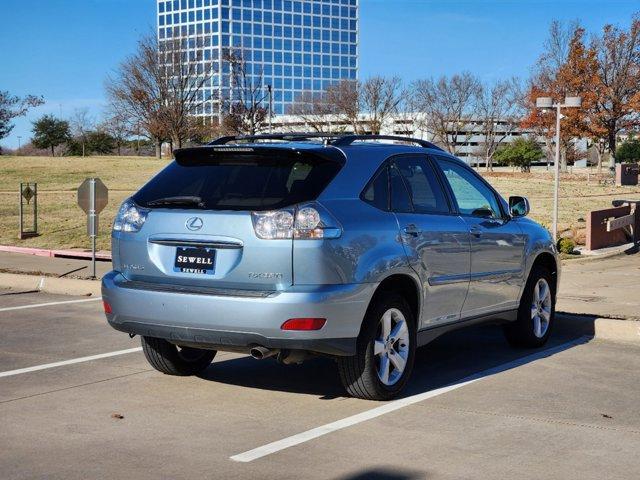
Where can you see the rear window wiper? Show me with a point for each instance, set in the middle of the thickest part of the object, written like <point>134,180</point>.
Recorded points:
<point>187,200</point>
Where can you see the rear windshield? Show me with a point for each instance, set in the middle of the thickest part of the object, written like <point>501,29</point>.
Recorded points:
<point>240,183</point>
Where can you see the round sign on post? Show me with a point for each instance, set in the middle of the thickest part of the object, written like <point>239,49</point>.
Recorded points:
<point>93,196</point>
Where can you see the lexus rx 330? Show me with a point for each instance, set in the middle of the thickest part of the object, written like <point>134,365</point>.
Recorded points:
<point>351,247</point>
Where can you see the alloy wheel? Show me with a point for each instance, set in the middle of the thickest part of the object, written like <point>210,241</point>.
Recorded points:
<point>541,308</point>
<point>391,346</point>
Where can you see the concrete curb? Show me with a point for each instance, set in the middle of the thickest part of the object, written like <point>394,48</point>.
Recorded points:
<point>616,330</point>
<point>607,253</point>
<point>612,329</point>
<point>43,252</point>
<point>64,286</point>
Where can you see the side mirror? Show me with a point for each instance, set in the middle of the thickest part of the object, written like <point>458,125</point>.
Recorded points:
<point>518,206</point>
<point>482,212</point>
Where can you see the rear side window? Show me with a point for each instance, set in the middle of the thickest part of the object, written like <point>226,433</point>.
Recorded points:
<point>400,201</point>
<point>241,182</point>
<point>426,193</point>
<point>377,194</point>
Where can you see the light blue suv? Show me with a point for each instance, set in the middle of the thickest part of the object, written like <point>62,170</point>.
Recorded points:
<point>360,248</point>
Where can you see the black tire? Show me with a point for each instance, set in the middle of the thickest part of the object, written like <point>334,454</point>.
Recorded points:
<point>521,333</point>
<point>359,373</point>
<point>173,360</point>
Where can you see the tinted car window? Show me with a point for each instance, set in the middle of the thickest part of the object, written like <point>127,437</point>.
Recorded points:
<point>425,190</point>
<point>472,195</point>
<point>241,183</point>
<point>400,201</point>
<point>377,194</point>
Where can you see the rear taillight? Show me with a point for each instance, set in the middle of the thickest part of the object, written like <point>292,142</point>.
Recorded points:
<point>107,307</point>
<point>130,217</point>
<point>307,221</point>
<point>304,324</point>
<point>273,225</point>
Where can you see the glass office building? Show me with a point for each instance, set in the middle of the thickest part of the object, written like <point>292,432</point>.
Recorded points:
<point>299,47</point>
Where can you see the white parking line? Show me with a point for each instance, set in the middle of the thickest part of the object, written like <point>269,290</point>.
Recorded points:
<point>19,371</point>
<point>391,406</point>
<point>48,304</point>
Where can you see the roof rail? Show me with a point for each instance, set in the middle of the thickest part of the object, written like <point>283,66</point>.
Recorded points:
<point>345,140</point>
<point>292,136</point>
<point>335,139</point>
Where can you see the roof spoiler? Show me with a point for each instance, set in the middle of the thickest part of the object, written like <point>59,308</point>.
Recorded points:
<point>218,153</point>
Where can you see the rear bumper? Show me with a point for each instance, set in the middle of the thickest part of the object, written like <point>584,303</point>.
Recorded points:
<point>239,321</point>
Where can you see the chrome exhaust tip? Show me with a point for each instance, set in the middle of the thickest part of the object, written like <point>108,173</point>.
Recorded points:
<point>260,353</point>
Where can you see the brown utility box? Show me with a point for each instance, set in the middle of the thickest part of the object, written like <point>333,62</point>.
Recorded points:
<point>627,174</point>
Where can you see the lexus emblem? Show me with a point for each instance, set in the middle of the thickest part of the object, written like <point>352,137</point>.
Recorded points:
<point>194,223</point>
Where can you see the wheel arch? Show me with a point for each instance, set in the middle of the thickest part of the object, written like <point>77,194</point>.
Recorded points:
<point>404,285</point>
<point>547,260</point>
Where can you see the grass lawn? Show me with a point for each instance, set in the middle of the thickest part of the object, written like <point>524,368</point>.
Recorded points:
<point>63,225</point>
<point>579,195</point>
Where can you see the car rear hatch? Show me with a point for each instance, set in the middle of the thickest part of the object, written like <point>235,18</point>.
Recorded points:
<point>199,230</point>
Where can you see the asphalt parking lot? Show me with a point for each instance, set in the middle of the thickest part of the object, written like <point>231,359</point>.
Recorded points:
<point>475,409</point>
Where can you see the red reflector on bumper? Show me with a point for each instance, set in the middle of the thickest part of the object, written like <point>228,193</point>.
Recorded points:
<point>107,307</point>
<point>304,324</point>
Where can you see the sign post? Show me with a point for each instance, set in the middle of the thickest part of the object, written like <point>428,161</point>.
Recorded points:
<point>92,198</point>
<point>28,192</point>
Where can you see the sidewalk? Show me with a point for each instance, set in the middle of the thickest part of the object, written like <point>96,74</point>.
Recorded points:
<point>50,266</point>
<point>608,287</point>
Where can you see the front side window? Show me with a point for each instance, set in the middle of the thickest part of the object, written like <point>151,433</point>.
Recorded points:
<point>425,190</point>
<point>472,195</point>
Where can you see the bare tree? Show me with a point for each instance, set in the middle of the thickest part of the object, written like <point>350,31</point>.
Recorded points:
<point>159,88</point>
<point>379,100</point>
<point>183,79</point>
<point>245,105</point>
<point>449,104</point>
<point>497,108</point>
<point>81,123</point>
<point>343,99</point>
<point>556,50</point>
<point>410,114</point>
<point>136,91</point>
<point>335,110</point>
<point>315,111</point>
<point>12,107</point>
<point>117,124</point>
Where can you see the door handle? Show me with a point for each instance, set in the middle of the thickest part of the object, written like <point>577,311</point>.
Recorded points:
<point>412,230</point>
<point>476,231</point>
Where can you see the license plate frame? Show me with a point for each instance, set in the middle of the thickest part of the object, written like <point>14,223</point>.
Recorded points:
<point>195,260</point>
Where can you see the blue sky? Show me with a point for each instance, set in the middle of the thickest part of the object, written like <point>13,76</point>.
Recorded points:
<point>63,49</point>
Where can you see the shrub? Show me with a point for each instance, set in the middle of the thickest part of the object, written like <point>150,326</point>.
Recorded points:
<point>629,151</point>
<point>519,153</point>
<point>566,245</point>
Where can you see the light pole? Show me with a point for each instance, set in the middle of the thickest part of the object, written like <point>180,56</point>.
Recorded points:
<point>270,92</point>
<point>547,103</point>
<point>19,143</point>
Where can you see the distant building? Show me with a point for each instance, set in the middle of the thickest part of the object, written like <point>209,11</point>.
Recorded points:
<point>468,145</point>
<point>297,46</point>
